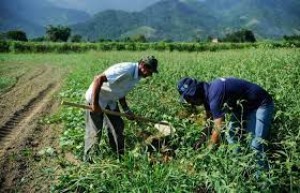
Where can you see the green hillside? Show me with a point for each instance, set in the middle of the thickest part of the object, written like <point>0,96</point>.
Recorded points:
<point>32,16</point>
<point>178,20</point>
<point>187,20</point>
<point>108,25</point>
<point>268,18</point>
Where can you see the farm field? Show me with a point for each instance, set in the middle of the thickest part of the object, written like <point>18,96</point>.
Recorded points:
<point>42,142</point>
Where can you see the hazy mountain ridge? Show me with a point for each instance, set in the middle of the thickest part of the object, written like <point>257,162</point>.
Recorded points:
<point>170,19</point>
<point>101,25</point>
<point>180,20</point>
<point>95,6</point>
<point>267,18</point>
<point>33,16</point>
<point>181,24</point>
<point>187,20</point>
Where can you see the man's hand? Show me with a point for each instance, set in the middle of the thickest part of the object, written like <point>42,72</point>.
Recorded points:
<point>204,136</point>
<point>200,142</point>
<point>215,137</point>
<point>129,114</point>
<point>126,109</point>
<point>95,108</point>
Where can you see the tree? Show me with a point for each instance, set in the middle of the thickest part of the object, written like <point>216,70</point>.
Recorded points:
<point>249,36</point>
<point>139,38</point>
<point>17,35</point>
<point>209,38</point>
<point>58,33</point>
<point>291,38</point>
<point>127,39</point>
<point>243,35</point>
<point>2,36</point>
<point>76,38</point>
<point>38,39</point>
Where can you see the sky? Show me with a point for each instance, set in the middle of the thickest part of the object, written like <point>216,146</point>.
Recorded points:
<point>94,6</point>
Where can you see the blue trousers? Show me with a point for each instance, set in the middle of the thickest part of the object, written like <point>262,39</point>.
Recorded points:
<point>257,122</point>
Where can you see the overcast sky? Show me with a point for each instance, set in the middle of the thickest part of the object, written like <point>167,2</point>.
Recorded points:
<point>94,6</point>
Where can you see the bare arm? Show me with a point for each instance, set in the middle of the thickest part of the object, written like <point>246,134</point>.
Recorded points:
<point>215,136</point>
<point>126,109</point>
<point>97,84</point>
<point>123,103</point>
<point>205,132</point>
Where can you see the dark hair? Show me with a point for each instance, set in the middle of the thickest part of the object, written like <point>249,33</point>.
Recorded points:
<point>200,90</point>
<point>151,62</point>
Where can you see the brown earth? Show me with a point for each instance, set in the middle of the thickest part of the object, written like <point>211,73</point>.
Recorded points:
<point>22,135</point>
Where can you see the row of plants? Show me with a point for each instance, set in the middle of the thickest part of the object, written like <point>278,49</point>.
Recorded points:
<point>204,170</point>
<point>45,47</point>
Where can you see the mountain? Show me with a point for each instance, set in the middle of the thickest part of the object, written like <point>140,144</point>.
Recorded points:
<point>95,6</point>
<point>267,18</point>
<point>108,25</point>
<point>8,21</point>
<point>179,20</point>
<point>170,19</point>
<point>33,16</point>
<point>183,20</point>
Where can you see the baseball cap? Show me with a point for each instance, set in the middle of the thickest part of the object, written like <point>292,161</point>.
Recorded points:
<point>151,62</point>
<point>186,87</point>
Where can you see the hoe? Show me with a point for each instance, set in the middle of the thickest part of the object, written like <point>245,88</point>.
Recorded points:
<point>163,127</point>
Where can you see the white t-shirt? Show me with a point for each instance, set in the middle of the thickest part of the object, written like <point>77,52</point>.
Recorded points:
<point>121,78</point>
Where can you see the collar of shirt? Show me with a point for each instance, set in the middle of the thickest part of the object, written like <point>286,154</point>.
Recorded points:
<point>136,71</point>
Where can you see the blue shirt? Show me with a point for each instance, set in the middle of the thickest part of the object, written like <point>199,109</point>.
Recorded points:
<point>233,94</point>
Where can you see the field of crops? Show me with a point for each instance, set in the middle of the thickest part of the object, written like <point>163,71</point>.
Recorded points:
<point>186,170</point>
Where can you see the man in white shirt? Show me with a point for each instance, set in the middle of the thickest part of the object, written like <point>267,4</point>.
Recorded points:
<point>104,93</point>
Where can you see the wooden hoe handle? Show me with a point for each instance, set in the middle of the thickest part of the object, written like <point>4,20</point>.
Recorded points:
<point>113,112</point>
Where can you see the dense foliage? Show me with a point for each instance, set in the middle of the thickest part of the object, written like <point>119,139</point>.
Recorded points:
<point>241,36</point>
<point>76,38</point>
<point>60,47</point>
<point>292,38</point>
<point>58,33</point>
<point>16,35</point>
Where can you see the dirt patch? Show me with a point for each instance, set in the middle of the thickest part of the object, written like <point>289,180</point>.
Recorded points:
<point>21,135</point>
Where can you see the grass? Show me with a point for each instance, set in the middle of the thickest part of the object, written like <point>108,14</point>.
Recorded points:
<point>5,83</point>
<point>212,170</point>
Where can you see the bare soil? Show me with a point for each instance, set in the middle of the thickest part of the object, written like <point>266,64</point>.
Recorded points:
<point>22,135</point>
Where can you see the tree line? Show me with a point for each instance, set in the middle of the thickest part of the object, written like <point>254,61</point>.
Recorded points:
<point>53,34</point>
<point>64,34</point>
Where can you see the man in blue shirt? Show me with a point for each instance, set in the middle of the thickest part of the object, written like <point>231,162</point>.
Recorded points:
<point>249,104</point>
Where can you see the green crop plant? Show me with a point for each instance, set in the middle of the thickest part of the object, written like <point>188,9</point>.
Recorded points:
<point>204,170</point>
<point>217,170</point>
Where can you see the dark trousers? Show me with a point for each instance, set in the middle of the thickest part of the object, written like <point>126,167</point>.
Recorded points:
<point>93,132</point>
